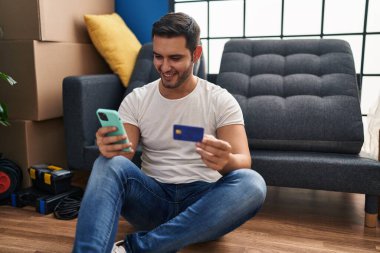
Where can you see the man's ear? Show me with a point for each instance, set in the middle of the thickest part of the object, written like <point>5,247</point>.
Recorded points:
<point>197,53</point>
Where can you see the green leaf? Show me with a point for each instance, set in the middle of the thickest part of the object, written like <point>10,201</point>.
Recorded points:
<point>3,108</point>
<point>5,123</point>
<point>7,78</point>
<point>3,115</point>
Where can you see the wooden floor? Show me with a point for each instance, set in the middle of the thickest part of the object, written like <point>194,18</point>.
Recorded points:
<point>292,220</point>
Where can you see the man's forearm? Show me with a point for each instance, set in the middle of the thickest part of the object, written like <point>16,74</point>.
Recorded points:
<point>237,161</point>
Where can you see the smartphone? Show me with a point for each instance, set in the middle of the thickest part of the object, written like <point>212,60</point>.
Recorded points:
<point>111,118</point>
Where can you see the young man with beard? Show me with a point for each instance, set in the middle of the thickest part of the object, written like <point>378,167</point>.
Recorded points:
<point>184,193</point>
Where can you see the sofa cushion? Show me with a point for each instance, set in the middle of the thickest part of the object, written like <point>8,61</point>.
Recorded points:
<point>320,171</point>
<point>144,71</point>
<point>115,42</point>
<point>295,94</point>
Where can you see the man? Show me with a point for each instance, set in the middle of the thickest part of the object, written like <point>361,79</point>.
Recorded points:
<point>184,193</point>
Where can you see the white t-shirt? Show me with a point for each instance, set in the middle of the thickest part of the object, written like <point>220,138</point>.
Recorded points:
<point>168,160</point>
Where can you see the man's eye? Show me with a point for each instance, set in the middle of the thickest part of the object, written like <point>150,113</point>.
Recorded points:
<point>176,58</point>
<point>158,57</point>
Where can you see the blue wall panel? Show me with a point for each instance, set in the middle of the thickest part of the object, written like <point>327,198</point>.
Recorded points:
<point>139,15</point>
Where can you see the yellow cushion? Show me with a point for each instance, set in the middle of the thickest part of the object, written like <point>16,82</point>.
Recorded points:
<point>115,42</point>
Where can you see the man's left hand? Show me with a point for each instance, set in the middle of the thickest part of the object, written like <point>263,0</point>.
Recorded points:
<point>215,153</point>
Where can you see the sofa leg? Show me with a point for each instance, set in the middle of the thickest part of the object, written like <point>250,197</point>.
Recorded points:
<point>371,220</point>
<point>371,210</point>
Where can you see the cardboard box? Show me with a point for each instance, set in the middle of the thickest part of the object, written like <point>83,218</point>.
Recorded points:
<point>49,20</point>
<point>29,143</point>
<point>39,69</point>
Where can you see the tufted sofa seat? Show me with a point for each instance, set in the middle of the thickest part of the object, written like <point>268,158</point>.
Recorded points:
<point>302,114</point>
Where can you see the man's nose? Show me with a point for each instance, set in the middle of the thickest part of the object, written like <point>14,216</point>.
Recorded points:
<point>165,65</point>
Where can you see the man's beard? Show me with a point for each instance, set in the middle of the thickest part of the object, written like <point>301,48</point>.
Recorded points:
<point>181,79</point>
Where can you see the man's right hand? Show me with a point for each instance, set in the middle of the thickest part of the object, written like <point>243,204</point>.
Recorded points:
<point>107,146</point>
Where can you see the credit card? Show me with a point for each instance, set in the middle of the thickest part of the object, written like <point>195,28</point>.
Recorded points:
<point>188,133</point>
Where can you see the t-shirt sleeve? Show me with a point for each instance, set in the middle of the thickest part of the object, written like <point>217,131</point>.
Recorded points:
<point>228,111</point>
<point>128,109</point>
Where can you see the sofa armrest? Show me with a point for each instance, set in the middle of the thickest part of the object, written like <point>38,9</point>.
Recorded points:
<point>82,96</point>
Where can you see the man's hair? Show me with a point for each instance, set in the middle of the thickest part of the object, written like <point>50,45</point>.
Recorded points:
<point>178,24</point>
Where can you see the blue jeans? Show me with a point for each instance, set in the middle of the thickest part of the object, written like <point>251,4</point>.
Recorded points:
<point>167,217</point>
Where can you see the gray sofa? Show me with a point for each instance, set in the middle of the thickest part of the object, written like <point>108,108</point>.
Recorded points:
<point>301,108</point>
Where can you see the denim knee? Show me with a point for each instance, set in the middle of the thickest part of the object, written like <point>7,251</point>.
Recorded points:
<point>251,183</point>
<point>116,167</point>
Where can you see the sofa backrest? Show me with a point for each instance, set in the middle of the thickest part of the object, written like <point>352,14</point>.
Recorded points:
<point>144,71</point>
<point>295,94</point>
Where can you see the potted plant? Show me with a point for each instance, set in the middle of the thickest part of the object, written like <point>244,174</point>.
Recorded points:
<point>3,108</point>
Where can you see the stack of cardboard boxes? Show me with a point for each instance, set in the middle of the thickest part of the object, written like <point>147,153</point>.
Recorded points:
<point>42,42</point>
